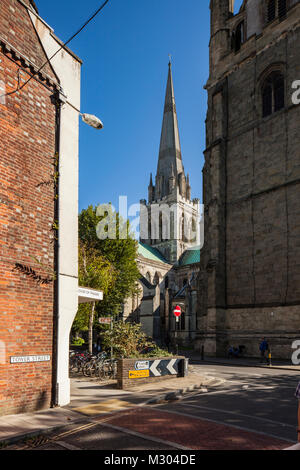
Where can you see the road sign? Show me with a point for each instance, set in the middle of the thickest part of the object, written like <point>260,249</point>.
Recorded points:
<point>141,365</point>
<point>161,367</point>
<point>105,320</point>
<point>177,311</point>
<point>138,374</point>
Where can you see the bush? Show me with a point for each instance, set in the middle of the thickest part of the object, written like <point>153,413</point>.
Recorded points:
<point>77,342</point>
<point>129,341</point>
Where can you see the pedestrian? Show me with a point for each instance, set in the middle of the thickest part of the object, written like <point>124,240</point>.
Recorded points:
<point>264,348</point>
<point>297,394</point>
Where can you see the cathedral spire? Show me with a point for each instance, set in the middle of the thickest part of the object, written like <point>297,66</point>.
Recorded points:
<point>170,150</point>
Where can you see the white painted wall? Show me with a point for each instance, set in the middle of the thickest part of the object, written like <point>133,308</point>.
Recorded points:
<point>68,69</point>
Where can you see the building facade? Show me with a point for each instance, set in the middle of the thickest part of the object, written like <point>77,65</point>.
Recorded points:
<point>38,209</point>
<point>250,271</point>
<point>169,252</point>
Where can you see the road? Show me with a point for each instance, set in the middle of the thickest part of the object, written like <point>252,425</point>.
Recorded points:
<point>248,408</point>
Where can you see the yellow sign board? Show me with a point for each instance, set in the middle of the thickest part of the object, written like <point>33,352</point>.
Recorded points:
<point>138,374</point>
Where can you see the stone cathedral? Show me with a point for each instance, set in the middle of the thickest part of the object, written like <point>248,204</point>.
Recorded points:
<point>249,281</point>
<point>169,251</point>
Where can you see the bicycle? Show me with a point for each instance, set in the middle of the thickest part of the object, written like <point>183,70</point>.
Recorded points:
<point>90,368</point>
<point>108,369</point>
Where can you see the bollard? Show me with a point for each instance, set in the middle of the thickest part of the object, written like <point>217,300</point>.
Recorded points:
<point>270,358</point>
<point>202,353</point>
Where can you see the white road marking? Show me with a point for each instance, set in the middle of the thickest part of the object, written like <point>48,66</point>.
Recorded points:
<point>65,445</point>
<point>238,414</point>
<point>253,431</point>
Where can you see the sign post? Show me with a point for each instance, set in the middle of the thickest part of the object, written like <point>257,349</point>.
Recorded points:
<point>177,313</point>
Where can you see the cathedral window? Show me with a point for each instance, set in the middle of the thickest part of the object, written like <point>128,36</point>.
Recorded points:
<point>271,10</point>
<point>273,94</point>
<point>238,38</point>
<point>276,8</point>
<point>281,8</point>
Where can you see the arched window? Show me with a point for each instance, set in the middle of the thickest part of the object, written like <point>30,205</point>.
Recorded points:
<point>239,36</point>
<point>281,8</point>
<point>271,10</point>
<point>156,279</point>
<point>273,94</point>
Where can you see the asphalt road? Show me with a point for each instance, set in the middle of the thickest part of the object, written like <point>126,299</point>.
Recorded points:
<point>249,409</point>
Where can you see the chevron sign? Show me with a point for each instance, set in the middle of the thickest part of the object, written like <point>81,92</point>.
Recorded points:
<point>161,367</point>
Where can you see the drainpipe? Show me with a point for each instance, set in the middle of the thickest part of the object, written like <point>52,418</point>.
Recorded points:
<point>58,100</point>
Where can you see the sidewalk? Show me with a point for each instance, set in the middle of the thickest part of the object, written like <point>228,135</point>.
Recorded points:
<point>93,397</point>
<point>195,357</point>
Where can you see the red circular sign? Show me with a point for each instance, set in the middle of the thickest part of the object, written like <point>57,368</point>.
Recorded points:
<point>177,311</point>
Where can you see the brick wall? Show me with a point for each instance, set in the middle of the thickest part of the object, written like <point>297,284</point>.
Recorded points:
<point>126,365</point>
<point>27,148</point>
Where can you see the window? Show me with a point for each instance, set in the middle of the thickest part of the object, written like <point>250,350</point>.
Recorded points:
<point>271,10</point>
<point>273,94</point>
<point>281,8</point>
<point>239,36</point>
<point>276,8</point>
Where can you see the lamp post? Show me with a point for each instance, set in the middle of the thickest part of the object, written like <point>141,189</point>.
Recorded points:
<point>92,121</point>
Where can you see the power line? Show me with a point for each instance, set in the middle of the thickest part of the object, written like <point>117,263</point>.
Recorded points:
<point>62,47</point>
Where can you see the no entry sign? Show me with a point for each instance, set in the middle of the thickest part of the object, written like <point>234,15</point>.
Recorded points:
<point>177,311</point>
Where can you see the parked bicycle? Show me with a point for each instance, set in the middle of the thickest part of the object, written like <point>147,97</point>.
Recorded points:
<point>108,369</point>
<point>77,360</point>
<point>91,366</point>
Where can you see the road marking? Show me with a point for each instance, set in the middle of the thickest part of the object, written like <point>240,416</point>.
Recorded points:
<point>225,424</point>
<point>144,436</point>
<point>104,407</point>
<point>65,445</point>
<point>239,414</point>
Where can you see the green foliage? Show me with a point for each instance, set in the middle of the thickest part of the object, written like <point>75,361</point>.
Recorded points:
<point>130,341</point>
<point>78,342</point>
<point>120,253</point>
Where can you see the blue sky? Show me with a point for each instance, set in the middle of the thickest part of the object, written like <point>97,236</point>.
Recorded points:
<point>125,64</point>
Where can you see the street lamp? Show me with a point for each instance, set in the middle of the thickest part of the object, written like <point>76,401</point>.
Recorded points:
<point>92,120</point>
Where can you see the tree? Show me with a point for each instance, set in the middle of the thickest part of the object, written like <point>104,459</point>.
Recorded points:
<point>95,272</point>
<point>120,252</point>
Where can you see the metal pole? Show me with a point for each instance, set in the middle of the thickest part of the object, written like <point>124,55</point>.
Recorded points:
<point>111,341</point>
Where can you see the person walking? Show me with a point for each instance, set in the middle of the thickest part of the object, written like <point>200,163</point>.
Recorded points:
<point>264,348</point>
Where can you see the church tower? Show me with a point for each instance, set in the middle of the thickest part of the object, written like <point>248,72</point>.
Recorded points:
<point>170,219</point>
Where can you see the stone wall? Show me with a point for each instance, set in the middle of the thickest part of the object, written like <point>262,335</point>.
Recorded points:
<point>250,259</point>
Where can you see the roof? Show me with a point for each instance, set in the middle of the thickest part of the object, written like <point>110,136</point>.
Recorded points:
<point>191,256</point>
<point>151,253</point>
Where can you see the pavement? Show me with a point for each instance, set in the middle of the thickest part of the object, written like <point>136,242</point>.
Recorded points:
<point>91,397</point>
<point>195,357</point>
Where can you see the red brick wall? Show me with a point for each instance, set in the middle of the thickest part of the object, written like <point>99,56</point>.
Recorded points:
<point>27,148</point>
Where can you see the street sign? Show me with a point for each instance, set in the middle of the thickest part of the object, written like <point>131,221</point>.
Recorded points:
<point>177,311</point>
<point>105,320</point>
<point>141,365</point>
<point>138,374</point>
<point>161,367</point>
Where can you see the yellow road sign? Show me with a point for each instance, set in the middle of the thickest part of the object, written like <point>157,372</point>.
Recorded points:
<point>138,374</point>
